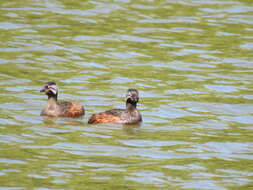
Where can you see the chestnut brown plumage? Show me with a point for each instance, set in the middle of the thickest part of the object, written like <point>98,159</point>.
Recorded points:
<point>59,109</point>
<point>130,115</point>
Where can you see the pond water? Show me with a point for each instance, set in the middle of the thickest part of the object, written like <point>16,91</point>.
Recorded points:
<point>192,62</point>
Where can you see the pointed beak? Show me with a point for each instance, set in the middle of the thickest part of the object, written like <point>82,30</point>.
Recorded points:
<point>135,99</point>
<point>42,90</point>
<point>128,97</point>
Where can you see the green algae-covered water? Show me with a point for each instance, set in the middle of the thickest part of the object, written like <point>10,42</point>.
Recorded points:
<point>192,62</point>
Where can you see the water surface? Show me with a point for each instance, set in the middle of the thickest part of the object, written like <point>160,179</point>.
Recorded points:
<point>192,62</point>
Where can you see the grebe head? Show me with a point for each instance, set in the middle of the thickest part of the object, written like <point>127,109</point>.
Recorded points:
<point>50,89</point>
<point>132,96</point>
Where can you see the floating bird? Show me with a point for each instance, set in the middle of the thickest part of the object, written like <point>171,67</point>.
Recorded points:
<point>130,115</point>
<point>59,109</point>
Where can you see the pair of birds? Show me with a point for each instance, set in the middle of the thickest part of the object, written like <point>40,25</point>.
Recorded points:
<point>130,115</point>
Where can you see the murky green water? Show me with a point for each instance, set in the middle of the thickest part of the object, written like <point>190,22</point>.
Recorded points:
<point>192,62</point>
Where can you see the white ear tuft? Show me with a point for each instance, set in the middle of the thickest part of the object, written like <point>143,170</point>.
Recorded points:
<point>54,89</point>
